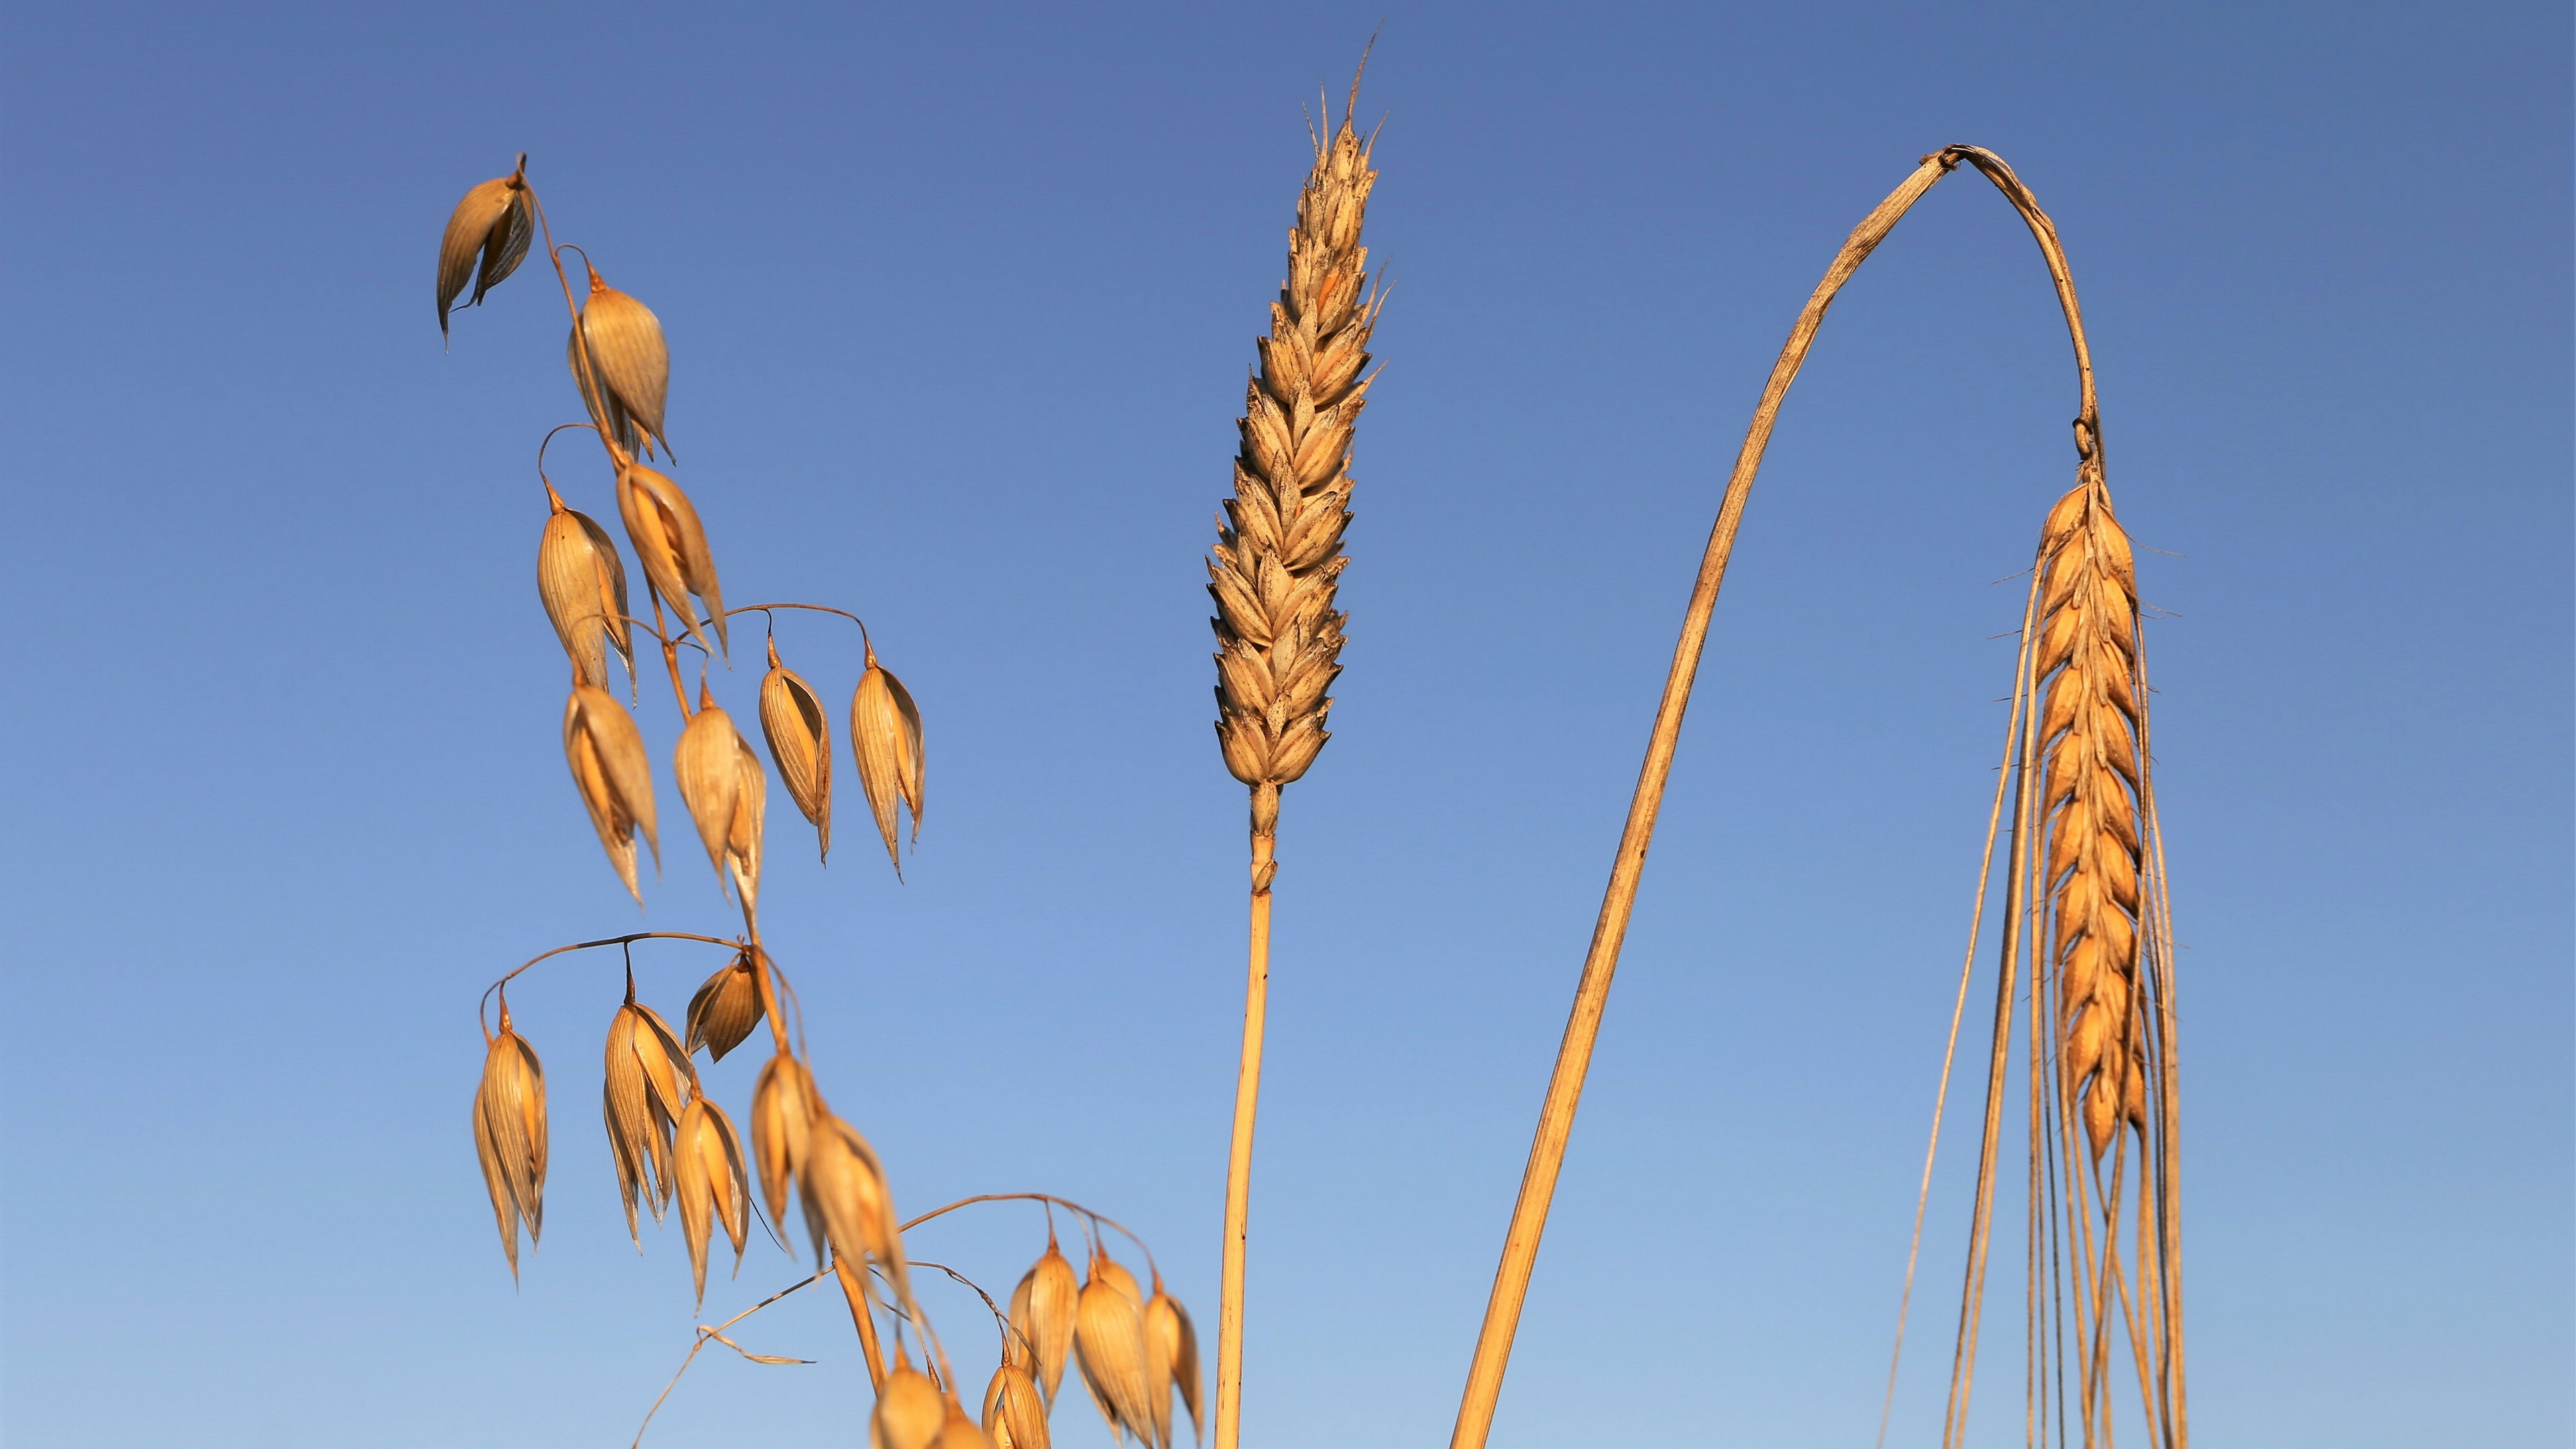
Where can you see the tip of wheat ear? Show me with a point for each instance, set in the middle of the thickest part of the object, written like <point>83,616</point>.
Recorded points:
<point>1278,555</point>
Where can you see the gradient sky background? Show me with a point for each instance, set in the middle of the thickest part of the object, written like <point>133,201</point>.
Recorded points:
<point>960,301</point>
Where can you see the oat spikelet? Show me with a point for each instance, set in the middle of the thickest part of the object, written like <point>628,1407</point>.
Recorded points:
<point>609,769</point>
<point>582,582</point>
<point>847,1203</point>
<point>2089,734</point>
<point>960,1432</point>
<point>712,1187</point>
<point>1279,550</point>
<point>727,794</point>
<point>782,1118</point>
<point>672,545</point>
<point>510,1136</point>
<point>494,222</point>
<point>910,1410</point>
<point>800,741</point>
<point>1109,1344</point>
<point>645,1088</point>
<point>1043,1309</point>
<point>1015,1414</point>
<point>885,737</point>
<point>630,363</point>
<point>1169,1334</point>
<point>725,1009</point>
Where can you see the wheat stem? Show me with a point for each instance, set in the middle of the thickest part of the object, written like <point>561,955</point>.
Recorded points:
<point>1592,990</point>
<point>1238,1164</point>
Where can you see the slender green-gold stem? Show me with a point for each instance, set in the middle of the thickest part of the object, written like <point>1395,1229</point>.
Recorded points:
<point>1601,961</point>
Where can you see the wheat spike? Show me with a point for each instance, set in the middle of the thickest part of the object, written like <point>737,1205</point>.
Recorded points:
<point>2088,734</point>
<point>1279,550</point>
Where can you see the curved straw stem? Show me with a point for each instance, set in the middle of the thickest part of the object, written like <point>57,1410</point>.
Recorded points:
<point>1592,990</point>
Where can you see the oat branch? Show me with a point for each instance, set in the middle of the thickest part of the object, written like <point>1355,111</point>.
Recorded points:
<point>496,986</point>
<point>717,1333</point>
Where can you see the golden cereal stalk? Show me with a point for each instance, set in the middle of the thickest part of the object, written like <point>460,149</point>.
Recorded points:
<point>1279,638</point>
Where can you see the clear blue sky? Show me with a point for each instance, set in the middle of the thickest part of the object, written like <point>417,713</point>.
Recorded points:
<point>960,300</point>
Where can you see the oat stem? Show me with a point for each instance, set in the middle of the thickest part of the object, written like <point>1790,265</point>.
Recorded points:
<point>1601,961</point>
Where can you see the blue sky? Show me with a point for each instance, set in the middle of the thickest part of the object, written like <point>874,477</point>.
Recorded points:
<point>960,300</point>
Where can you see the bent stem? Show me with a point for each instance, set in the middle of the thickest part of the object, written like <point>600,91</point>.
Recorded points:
<point>1247,1101</point>
<point>1609,933</point>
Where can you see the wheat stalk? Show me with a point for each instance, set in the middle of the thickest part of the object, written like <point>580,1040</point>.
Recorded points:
<point>1273,575</point>
<point>1592,991</point>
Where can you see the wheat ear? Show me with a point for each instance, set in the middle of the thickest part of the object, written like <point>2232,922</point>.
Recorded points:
<point>1273,573</point>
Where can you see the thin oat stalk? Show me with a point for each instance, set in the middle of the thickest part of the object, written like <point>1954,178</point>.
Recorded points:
<point>1565,1084</point>
<point>1273,576</point>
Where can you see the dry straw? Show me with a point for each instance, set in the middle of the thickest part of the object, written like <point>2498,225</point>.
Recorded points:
<point>2086,830</point>
<point>1273,574</point>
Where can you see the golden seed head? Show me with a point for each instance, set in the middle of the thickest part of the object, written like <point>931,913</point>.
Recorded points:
<point>606,755</point>
<point>493,223</point>
<point>510,1136</point>
<point>712,1187</point>
<point>725,1009</point>
<point>910,1411</point>
<point>1168,1332</point>
<point>582,583</point>
<point>1109,1345</point>
<point>629,360</point>
<point>782,1114</point>
<point>1015,1414</point>
<point>727,793</point>
<point>799,733</point>
<point>956,1431</point>
<point>1043,1310</point>
<point>885,736</point>
<point>671,544</point>
<point>847,1203</point>
<point>646,1086</point>
<point>1278,551</point>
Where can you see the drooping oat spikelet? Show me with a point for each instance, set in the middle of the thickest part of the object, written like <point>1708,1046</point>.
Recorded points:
<point>1109,1344</point>
<point>800,740</point>
<point>847,1204</point>
<point>1015,1414</point>
<point>582,582</point>
<point>960,1432</point>
<point>606,754</point>
<point>885,735</point>
<point>1043,1310</point>
<point>606,413</point>
<point>2089,737</point>
<point>627,354</point>
<point>782,1116</point>
<point>647,1085</point>
<point>1279,551</point>
<point>727,793</point>
<point>510,1136</point>
<point>725,1009</point>
<point>495,222</point>
<point>671,544</point>
<point>1170,1336</point>
<point>712,1187</point>
<point>910,1410</point>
